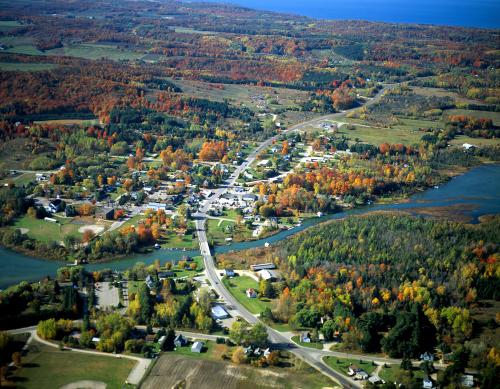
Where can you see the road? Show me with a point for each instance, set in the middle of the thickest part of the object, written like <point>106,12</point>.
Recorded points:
<point>312,356</point>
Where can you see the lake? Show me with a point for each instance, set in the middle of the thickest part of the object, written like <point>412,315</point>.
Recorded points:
<point>476,192</point>
<point>470,13</point>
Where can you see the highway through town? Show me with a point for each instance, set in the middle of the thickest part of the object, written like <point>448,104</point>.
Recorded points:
<point>312,356</point>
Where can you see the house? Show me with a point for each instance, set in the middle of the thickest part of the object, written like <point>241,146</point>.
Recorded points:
<point>427,383</point>
<point>165,274</point>
<point>361,375</point>
<point>269,275</point>
<point>305,337</point>
<point>161,341</point>
<point>468,146</point>
<point>251,293</point>
<point>107,213</point>
<point>374,379</point>
<point>467,380</point>
<point>156,206</point>
<point>218,312</point>
<point>266,352</point>
<point>55,206</point>
<point>248,350</point>
<point>180,341</point>
<point>427,357</point>
<point>150,282</point>
<point>197,347</point>
<point>249,197</point>
<point>229,272</point>
<point>262,266</point>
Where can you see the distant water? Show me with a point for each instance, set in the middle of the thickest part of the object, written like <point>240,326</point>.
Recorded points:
<point>469,13</point>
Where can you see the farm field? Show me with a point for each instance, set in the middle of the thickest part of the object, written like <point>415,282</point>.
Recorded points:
<point>45,367</point>
<point>494,116</point>
<point>238,285</point>
<point>94,51</point>
<point>185,372</point>
<point>25,67</point>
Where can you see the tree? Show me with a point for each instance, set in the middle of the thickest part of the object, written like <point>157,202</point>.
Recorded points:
<point>47,329</point>
<point>145,304</point>
<point>239,356</point>
<point>328,329</point>
<point>16,358</point>
<point>238,331</point>
<point>258,335</point>
<point>168,344</point>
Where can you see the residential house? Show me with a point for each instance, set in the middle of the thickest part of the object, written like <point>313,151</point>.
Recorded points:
<point>251,293</point>
<point>427,357</point>
<point>305,337</point>
<point>262,266</point>
<point>427,383</point>
<point>218,312</point>
<point>269,275</point>
<point>55,206</point>
<point>229,272</point>
<point>197,347</point>
<point>467,380</point>
<point>106,213</point>
<point>150,282</point>
<point>180,341</point>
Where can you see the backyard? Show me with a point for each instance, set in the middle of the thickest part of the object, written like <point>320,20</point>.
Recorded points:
<point>238,285</point>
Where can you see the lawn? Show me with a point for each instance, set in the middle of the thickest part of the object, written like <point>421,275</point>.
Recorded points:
<point>25,67</point>
<point>217,231</point>
<point>461,139</point>
<point>70,122</point>
<point>238,285</point>
<point>208,351</point>
<point>341,364</point>
<point>316,345</point>
<point>45,231</point>
<point>48,367</point>
<point>389,373</point>
<point>188,273</point>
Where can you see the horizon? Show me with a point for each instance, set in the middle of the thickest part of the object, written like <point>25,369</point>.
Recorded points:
<point>468,13</point>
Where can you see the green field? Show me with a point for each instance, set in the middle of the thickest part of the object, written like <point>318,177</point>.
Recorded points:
<point>389,373</point>
<point>341,364</point>
<point>238,285</point>
<point>48,367</point>
<point>495,116</point>
<point>461,139</point>
<point>20,45</point>
<point>21,179</point>
<point>316,345</point>
<point>217,231</point>
<point>405,133</point>
<point>25,67</point>
<point>45,231</point>
<point>94,51</point>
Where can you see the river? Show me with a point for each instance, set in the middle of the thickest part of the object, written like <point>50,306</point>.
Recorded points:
<point>476,192</point>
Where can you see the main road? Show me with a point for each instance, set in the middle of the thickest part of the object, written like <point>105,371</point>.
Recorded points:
<point>312,356</point>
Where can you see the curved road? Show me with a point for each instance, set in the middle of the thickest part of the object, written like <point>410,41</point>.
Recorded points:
<point>312,356</point>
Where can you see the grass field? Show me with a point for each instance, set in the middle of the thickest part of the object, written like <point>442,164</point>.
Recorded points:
<point>316,345</point>
<point>20,45</point>
<point>21,179</point>
<point>6,25</point>
<point>390,373</point>
<point>217,231</point>
<point>69,122</point>
<point>45,231</point>
<point>406,132</point>
<point>48,367</point>
<point>461,139</point>
<point>25,67</point>
<point>94,51</point>
<point>495,116</point>
<point>341,364</point>
<point>238,285</point>
<point>181,371</point>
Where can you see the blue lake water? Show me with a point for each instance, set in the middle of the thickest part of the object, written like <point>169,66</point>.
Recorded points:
<point>471,13</point>
<point>476,193</point>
